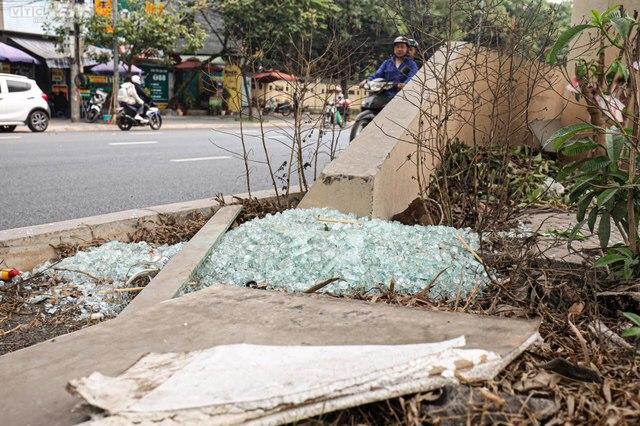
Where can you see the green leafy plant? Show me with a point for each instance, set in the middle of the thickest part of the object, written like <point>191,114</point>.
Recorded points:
<point>634,330</point>
<point>142,32</point>
<point>490,182</point>
<point>604,185</point>
<point>567,233</point>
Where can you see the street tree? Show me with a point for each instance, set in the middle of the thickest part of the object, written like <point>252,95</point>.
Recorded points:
<point>261,25</point>
<point>139,31</point>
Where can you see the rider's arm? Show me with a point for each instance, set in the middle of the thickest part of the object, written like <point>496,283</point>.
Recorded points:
<point>134,94</point>
<point>413,70</point>
<point>380,72</point>
<point>140,92</point>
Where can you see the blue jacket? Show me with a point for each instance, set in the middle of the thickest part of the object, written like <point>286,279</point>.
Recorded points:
<point>401,74</point>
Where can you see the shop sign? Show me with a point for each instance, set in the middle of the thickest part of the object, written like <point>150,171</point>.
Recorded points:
<point>57,75</point>
<point>233,85</point>
<point>98,79</point>
<point>156,83</point>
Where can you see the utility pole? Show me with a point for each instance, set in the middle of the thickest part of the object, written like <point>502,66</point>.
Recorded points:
<point>75,66</point>
<point>116,59</point>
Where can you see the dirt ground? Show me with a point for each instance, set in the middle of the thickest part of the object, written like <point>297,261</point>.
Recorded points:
<point>575,375</point>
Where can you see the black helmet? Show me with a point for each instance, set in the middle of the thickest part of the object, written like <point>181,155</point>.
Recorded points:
<point>412,43</point>
<point>401,39</point>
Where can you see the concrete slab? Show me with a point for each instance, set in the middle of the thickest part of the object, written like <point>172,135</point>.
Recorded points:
<point>555,248</point>
<point>36,377</point>
<point>179,270</point>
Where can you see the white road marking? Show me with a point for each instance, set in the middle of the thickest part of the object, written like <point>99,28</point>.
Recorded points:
<point>133,143</point>
<point>250,132</point>
<point>184,160</point>
<point>10,137</point>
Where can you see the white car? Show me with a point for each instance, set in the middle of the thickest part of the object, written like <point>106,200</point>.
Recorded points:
<point>22,102</point>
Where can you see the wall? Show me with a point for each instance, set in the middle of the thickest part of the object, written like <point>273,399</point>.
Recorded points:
<point>316,96</point>
<point>476,96</point>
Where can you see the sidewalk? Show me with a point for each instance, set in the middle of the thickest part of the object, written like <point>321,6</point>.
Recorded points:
<point>169,122</point>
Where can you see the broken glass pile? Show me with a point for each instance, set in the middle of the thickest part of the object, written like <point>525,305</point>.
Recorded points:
<point>91,278</point>
<point>294,250</point>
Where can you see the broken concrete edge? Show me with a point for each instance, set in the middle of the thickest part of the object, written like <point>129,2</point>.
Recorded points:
<point>371,177</point>
<point>391,162</point>
<point>183,265</point>
<point>25,248</point>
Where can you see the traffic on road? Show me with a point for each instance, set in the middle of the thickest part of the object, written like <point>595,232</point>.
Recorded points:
<point>50,176</point>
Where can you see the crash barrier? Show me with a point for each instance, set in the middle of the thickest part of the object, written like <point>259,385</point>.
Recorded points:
<point>462,92</point>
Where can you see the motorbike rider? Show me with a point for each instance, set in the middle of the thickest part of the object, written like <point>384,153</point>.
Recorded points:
<point>413,48</point>
<point>413,52</point>
<point>137,82</point>
<point>398,69</point>
<point>342,104</point>
<point>129,95</point>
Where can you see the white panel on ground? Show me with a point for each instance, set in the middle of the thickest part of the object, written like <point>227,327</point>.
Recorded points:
<point>233,384</point>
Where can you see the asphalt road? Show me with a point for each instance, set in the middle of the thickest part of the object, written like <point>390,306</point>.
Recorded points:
<point>49,177</point>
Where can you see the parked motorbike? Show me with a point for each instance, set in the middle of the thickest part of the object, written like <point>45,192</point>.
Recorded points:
<point>283,108</point>
<point>94,110</point>
<point>126,113</point>
<point>371,105</point>
<point>330,116</point>
<point>337,113</point>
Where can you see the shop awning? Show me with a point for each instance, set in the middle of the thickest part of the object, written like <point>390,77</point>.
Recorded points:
<point>195,62</point>
<point>11,54</point>
<point>47,51</point>
<point>108,69</point>
<point>189,64</point>
<point>271,76</point>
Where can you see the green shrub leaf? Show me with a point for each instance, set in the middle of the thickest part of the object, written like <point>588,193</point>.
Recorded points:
<point>635,318</point>
<point>596,163</point>
<point>623,25</point>
<point>608,260</point>
<point>614,143</point>
<point>631,332</point>
<point>593,216</point>
<point>563,40</point>
<point>578,147</point>
<point>561,136</point>
<point>604,230</point>
<point>606,195</point>
<point>583,205</point>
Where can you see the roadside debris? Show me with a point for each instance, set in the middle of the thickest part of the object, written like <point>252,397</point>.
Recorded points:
<point>7,275</point>
<point>91,279</point>
<point>299,248</point>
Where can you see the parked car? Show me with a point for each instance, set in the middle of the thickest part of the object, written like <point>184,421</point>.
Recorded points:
<point>22,102</point>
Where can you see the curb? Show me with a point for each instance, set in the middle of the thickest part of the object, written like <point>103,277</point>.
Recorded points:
<point>24,248</point>
<point>180,268</point>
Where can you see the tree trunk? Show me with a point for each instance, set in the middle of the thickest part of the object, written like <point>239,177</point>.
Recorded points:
<point>246,91</point>
<point>75,71</point>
